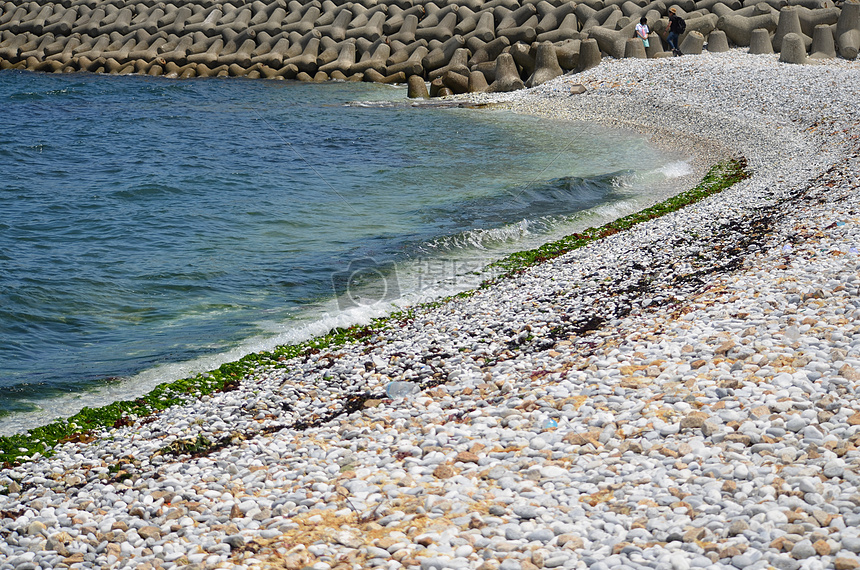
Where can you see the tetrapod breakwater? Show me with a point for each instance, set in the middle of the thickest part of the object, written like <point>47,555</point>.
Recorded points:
<point>458,47</point>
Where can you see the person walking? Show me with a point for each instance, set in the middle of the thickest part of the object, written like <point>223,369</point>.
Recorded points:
<point>676,28</point>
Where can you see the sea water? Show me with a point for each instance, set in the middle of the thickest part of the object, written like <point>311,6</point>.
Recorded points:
<point>152,228</point>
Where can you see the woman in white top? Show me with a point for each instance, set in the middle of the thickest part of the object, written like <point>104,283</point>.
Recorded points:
<point>642,30</point>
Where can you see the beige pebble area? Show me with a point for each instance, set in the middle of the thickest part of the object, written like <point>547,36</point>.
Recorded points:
<point>680,395</point>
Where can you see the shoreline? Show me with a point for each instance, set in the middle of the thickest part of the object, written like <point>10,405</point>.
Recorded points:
<point>677,395</point>
<point>138,385</point>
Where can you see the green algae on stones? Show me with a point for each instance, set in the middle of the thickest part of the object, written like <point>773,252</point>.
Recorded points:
<point>720,176</point>
<point>82,426</point>
<point>85,425</point>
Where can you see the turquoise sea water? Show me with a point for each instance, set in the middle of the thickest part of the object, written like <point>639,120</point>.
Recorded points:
<point>152,227</point>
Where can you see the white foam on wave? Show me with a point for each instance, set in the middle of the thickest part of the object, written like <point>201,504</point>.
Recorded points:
<point>483,239</point>
<point>313,323</point>
<point>676,169</point>
<point>412,282</point>
<point>451,265</point>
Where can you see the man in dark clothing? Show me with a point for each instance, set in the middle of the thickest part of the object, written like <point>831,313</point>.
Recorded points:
<point>676,28</point>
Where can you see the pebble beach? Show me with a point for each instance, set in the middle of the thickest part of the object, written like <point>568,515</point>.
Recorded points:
<point>680,395</point>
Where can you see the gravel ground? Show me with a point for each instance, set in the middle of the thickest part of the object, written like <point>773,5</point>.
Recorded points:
<point>681,395</point>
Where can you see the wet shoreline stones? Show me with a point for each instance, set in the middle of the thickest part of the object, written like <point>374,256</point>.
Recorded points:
<point>388,41</point>
<point>681,395</point>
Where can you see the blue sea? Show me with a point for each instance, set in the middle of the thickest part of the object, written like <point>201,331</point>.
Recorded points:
<point>151,228</point>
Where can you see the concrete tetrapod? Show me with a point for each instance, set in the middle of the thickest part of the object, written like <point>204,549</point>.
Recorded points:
<point>613,42</point>
<point>10,49</point>
<point>443,54</point>
<point>234,69</point>
<point>63,24</point>
<point>374,58</point>
<point>304,25</point>
<point>372,31</point>
<point>89,24</point>
<point>589,54</point>
<point>371,75</point>
<point>635,48</point>
<point>273,24</point>
<point>93,49</point>
<point>177,25</point>
<point>555,17</point>
<point>435,86</point>
<point>692,44</point>
<point>307,61</point>
<point>809,18</point>
<point>720,9</point>
<point>407,30</point>
<point>524,57</point>
<point>344,61</point>
<point>760,42</point>
<point>118,50</point>
<point>435,13</point>
<point>210,56</point>
<point>507,78</point>
<point>120,24</point>
<point>337,29</point>
<point>515,18</point>
<point>457,82</point>
<point>412,66</point>
<point>823,44</point>
<point>13,17</point>
<point>739,29</point>
<point>546,65</point>
<point>459,59</point>
<point>478,82</point>
<point>329,51</point>
<point>241,56</point>
<point>848,30</point>
<point>399,51</point>
<point>655,46</point>
<point>416,88</point>
<point>616,20</point>
<point>525,33</point>
<point>149,52</point>
<point>568,54</point>
<point>154,70</point>
<point>793,49</point>
<point>59,53</point>
<point>112,11</point>
<point>206,26</point>
<point>717,42</point>
<point>568,30</point>
<point>59,44</point>
<point>489,51</point>
<point>703,24</point>
<point>36,48</point>
<point>440,32</point>
<point>485,30</point>
<point>329,10</point>
<point>593,15</point>
<point>789,23</point>
<point>473,5</point>
<point>467,21</point>
<point>202,42</point>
